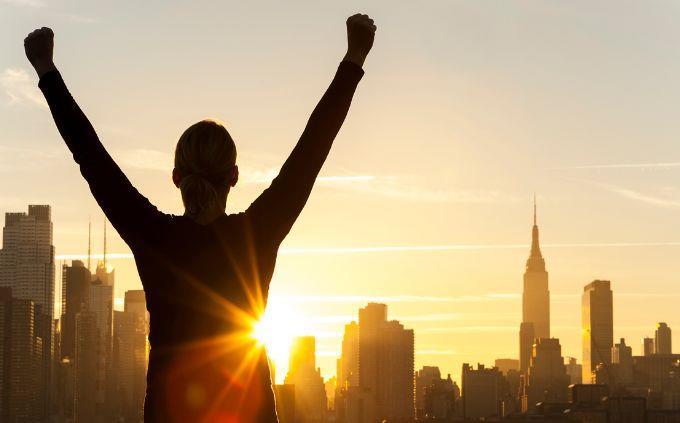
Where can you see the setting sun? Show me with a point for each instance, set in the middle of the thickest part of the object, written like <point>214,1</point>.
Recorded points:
<point>276,329</point>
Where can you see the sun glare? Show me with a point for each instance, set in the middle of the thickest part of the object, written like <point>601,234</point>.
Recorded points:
<point>279,324</point>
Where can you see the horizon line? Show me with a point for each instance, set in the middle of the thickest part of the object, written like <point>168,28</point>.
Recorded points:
<point>410,248</point>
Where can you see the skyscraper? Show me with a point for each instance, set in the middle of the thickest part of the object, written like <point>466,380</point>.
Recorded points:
<point>622,360</point>
<point>348,368</point>
<point>27,267</point>
<point>130,358</point>
<point>27,256</point>
<point>86,369</point>
<point>386,364</point>
<point>647,346</point>
<point>535,299</point>
<point>480,394</point>
<point>662,339</point>
<point>310,392</point>
<point>546,379</point>
<point>101,307</point>
<point>75,295</point>
<point>22,390</point>
<point>597,326</point>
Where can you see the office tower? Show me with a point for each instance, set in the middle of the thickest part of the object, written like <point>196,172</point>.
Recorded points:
<point>435,397</point>
<point>597,326</point>
<point>85,372</point>
<point>480,394</point>
<point>27,257</point>
<point>662,339</point>
<point>546,379</point>
<point>331,387</point>
<point>27,266</point>
<point>130,358</point>
<point>440,399</point>
<point>654,371</point>
<point>526,343</point>
<point>348,369</point>
<point>647,346</point>
<point>135,302</point>
<point>22,393</point>
<point>622,361</point>
<point>310,392</point>
<point>75,294</point>
<point>101,307</point>
<point>285,403</point>
<point>386,360</point>
<point>425,377</point>
<point>574,370</point>
<point>535,299</point>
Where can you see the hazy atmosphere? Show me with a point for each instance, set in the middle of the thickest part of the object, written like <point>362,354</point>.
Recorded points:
<point>465,111</point>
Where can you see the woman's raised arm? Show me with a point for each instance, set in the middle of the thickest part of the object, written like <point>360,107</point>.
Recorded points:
<point>130,213</point>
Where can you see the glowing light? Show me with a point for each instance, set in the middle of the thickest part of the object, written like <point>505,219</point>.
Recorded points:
<point>275,330</point>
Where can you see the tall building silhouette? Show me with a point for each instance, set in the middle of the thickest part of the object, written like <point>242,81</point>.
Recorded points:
<point>130,356</point>
<point>348,365</point>
<point>597,326</point>
<point>662,339</point>
<point>27,267</point>
<point>647,346</point>
<point>101,307</point>
<point>75,296</point>
<point>480,396</point>
<point>535,299</point>
<point>546,379</point>
<point>22,390</point>
<point>27,256</point>
<point>310,392</point>
<point>86,369</point>
<point>622,362</point>
<point>386,364</point>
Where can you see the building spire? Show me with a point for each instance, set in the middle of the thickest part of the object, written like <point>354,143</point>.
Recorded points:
<point>535,257</point>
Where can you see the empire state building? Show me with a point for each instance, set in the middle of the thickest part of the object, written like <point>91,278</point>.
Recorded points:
<point>535,300</point>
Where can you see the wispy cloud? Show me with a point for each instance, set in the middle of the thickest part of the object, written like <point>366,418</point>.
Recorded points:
<point>25,3</point>
<point>661,199</point>
<point>428,351</point>
<point>642,197</point>
<point>622,166</point>
<point>21,88</point>
<point>14,159</point>
<point>421,248</point>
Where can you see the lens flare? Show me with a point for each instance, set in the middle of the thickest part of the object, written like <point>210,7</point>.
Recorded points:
<point>275,330</point>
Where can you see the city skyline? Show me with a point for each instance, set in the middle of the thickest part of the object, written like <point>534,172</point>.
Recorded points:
<point>280,344</point>
<point>425,203</point>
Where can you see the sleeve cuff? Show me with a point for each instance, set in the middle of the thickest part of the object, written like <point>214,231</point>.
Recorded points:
<point>48,79</point>
<point>351,69</point>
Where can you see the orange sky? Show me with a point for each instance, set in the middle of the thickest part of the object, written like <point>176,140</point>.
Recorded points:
<point>467,108</point>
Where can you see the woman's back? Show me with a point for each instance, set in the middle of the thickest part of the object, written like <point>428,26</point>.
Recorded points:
<point>205,287</point>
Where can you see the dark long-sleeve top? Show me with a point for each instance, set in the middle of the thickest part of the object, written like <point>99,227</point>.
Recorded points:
<point>205,284</point>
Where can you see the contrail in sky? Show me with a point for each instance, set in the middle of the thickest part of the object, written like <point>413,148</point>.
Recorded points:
<point>622,166</point>
<point>414,248</point>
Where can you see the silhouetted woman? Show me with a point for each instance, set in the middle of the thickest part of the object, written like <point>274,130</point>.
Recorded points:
<point>206,274</point>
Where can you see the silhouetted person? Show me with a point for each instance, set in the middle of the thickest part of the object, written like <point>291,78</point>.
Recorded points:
<point>206,274</point>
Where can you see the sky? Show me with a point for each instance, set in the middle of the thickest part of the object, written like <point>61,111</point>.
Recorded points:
<point>467,109</point>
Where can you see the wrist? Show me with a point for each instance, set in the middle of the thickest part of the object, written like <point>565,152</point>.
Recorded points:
<point>42,68</point>
<point>355,57</point>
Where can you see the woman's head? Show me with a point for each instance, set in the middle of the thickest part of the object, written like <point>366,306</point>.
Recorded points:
<point>205,169</point>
